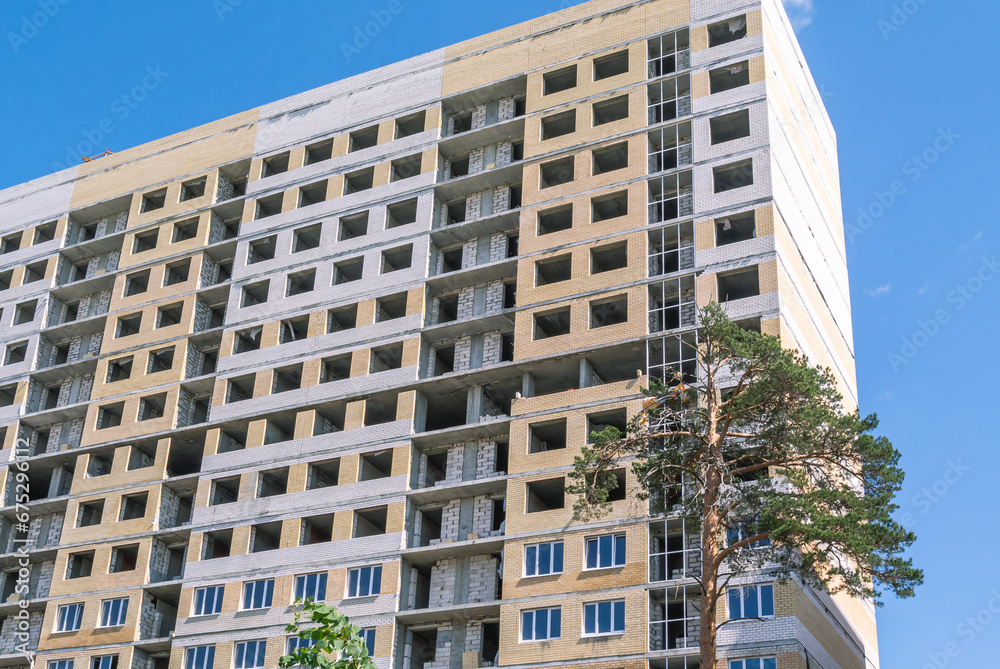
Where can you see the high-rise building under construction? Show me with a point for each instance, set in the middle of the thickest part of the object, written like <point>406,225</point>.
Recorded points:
<point>347,345</point>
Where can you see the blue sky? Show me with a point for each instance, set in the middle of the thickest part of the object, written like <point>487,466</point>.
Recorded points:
<point>911,89</point>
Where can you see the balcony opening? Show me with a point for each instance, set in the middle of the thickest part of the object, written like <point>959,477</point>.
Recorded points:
<point>90,513</point>
<point>279,429</point>
<point>606,312</point>
<point>10,243</point>
<point>557,172</point>
<point>261,250</point>
<point>61,354</point>
<point>611,66</point>
<point>160,361</point>
<point>232,439</point>
<point>80,565</point>
<point>552,323</point>
<point>306,239</point>
<point>375,466</point>
<point>312,194</point>
<point>423,649</point>
<point>141,456</point>
<point>272,483</point>
<point>370,522</point>
<point>547,436</point>
<point>413,124</point>
<point>300,283</point>
<point>609,258</point>
<point>391,307</point>
<point>25,312</point>
<point>248,340</point>
<point>269,206</point>
<point>609,206</point>
<point>154,200</point>
<point>134,506</point>
<point>185,456</point>
<point>739,285</point>
<point>353,226</point>
<point>293,330</point>
<point>731,177</point>
<point>728,31</point>
<point>78,272</point>
<point>446,409</point>
<point>507,347</point>
<point>137,283</point>
<point>287,379</point>
<point>342,318</point>
<point>16,353</point>
<point>430,526</point>
<point>124,558</point>
<point>401,213</point>
<point>316,530</point>
<point>545,495</point>
<point>324,474</point>
<point>600,421</point>
<point>347,271</point>
<point>44,233</point>
<point>5,279</point>
<point>733,229</point>
<point>610,158</point>
<point>386,358</point>
<point>517,151</point>
<point>559,80</point>
<point>610,111</point>
<point>619,492</point>
<point>559,125</point>
<point>275,165</point>
<point>265,537</point>
<point>730,77</point>
<point>405,168</point>
<point>255,293</point>
<point>225,491</point>
<point>515,196</point>
<point>461,123</point>
<point>458,167</point>
<point>555,220</point>
<point>185,231</point>
<point>436,470</point>
<point>444,360</point>
<point>329,420</point>
<point>363,139</point>
<point>336,368</point>
<point>447,309</point>
<point>359,181</point>
<point>110,415</point>
<point>457,211</point>
<point>217,544</point>
<point>554,270</point>
<point>145,241</point>
<point>319,152</point>
<point>177,273</point>
<point>169,316</point>
<point>240,389</point>
<point>380,410</point>
<point>451,259</point>
<point>398,259</point>
<point>730,127</point>
<point>510,295</point>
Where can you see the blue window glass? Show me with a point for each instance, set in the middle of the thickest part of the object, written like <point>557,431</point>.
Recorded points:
<point>767,601</point>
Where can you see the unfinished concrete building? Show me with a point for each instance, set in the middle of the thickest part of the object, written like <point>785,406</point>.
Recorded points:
<point>346,346</point>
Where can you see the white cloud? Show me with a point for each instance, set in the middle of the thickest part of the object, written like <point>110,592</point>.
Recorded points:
<point>881,291</point>
<point>801,12</point>
<point>972,242</point>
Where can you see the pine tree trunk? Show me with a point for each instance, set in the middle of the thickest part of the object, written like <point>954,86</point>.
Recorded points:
<point>709,569</point>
